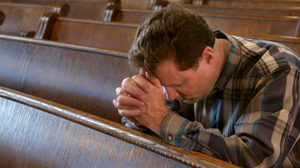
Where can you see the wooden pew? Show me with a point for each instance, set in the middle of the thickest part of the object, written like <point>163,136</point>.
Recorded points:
<point>39,133</point>
<point>22,19</point>
<point>242,10</point>
<point>2,17</point>
<point>107,35</point>
<point>98,9</point>
<point>249,3</point>
<point>291,42</point>
<point>266,25</point>
<point>81,77</point>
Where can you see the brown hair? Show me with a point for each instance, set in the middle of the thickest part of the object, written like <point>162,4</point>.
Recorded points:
<point>172,33</point>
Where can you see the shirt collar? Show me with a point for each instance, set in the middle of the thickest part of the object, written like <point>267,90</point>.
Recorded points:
<point>232,62</point>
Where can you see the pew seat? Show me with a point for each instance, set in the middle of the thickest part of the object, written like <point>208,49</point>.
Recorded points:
<point>39,133</point>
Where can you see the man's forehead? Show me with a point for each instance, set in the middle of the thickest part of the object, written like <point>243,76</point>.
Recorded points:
<point>169,76</point>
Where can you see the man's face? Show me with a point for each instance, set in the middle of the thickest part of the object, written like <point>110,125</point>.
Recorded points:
<point>190,85</point>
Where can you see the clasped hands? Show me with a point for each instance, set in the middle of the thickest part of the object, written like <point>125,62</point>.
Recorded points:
<point>141,99</point>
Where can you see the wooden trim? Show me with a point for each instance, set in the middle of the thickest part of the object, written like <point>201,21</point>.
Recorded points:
<point>97,22</point>
<point>45,26</point>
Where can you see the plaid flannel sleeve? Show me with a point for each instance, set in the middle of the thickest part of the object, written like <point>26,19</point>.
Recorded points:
<point>264,134</point>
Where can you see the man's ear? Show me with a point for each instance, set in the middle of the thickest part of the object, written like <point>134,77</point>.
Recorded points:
<point>207,55</point>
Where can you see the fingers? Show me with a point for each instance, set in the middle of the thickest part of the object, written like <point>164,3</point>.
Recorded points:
<point>127,102</point>
<point>130,87</point>
<point>129,113</point>
<point>142,82</point>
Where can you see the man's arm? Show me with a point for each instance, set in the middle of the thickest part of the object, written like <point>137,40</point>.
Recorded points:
<point>263,135</point>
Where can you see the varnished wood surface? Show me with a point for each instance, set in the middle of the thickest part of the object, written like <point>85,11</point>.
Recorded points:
<point>24,18</point>
<point>266,25</point>
<point>253,3</point>
<point>291,42</point>
<point>105,34</point>
<point>94,9</point>
<point>39,133</point>
<point>80,77</point>
<point>244,10</point>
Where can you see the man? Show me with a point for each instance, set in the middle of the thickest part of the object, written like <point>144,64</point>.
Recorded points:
<point>234,98</point>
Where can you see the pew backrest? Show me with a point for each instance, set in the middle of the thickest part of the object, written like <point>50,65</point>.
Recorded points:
<point>242,10</point>
<point>22,19</point>
<point>108,35</point>
<point>81,77</point>
<point>266,25</point>
<point>250,3</point>
<point>119,36</point>
<point>39,133</point>
<point>99,9</point>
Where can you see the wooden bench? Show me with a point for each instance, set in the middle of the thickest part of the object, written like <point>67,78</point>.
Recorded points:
<point>120,36</point>
<point>39,133</point>
<point>107,35</point>
<point>249,3</point>
<point>265,25</point>
<point>81,77</point>
<point>22,19</point>
<point>242,10</point>
<point>98,9</point>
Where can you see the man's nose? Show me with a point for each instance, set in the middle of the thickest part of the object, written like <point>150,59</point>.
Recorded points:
<point>172,94</point>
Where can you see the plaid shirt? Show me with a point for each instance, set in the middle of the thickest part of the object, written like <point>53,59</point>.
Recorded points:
<point>252,116</point>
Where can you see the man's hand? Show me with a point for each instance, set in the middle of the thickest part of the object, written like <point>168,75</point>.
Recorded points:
<point>141,99</point>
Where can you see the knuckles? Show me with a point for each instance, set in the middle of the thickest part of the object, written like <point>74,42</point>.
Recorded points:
<point>125,81</point>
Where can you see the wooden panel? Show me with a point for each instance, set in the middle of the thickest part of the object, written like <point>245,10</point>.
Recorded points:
<point>252,3</point>
<point>39,133</point>
<point>265,25</point>
<point>141,4</point>
<point>86,9</point>
<point>93,9</point>
<point>242,10</point>
<point>107,35</point>
<point>80,77</point>
<point>67,30</point>
<point>136,16</point>
<point>24,17</point>
<point>291,42</point>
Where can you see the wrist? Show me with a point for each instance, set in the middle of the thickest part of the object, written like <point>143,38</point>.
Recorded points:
<point>156,125</point>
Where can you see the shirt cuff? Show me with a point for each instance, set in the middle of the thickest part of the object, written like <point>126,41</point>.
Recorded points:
<point>172,127</point>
